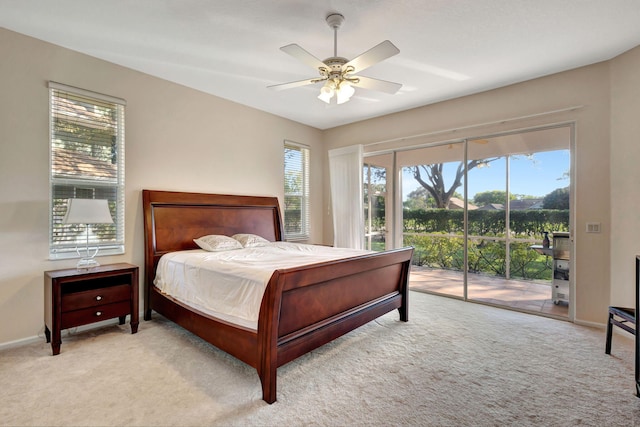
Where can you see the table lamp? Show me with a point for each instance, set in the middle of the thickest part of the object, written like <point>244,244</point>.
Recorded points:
<point>87,211</point>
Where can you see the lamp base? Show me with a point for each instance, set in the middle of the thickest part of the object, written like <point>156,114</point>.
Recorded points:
<point>85,263</point>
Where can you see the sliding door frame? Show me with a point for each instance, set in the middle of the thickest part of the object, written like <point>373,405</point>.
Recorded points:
<point>396,234</point>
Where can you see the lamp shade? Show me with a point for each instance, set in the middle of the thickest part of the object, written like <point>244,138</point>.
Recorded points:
<point>87,211</point>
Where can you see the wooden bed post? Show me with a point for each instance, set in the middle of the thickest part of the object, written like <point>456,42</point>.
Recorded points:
<point>149,249</point>
<point>404,308</point>
<point>268,337</point>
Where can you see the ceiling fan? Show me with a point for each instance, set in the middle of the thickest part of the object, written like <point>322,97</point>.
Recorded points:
<point>337,73</point>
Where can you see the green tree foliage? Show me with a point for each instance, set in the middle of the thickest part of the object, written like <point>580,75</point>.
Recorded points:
<point>375,189</point>
<point>557,199</point>
<point>419,199</point>
<point>493,196</point>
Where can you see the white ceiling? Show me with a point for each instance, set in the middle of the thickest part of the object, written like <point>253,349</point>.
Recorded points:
<point>230,48</point>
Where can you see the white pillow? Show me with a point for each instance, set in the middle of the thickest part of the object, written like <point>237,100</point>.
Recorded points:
<point>250,240</point>
<point>217,242</point>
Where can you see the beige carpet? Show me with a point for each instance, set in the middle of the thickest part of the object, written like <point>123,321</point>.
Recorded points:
<point>453,364</point>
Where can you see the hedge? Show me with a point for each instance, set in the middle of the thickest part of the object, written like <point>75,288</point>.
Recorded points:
<point>485,255</point>
<point>524,223</point>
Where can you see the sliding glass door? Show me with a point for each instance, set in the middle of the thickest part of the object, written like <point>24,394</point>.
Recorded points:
<point>433,209</point>
<point>488,211</point>
<point>518,193</point>
<point>476,212</point>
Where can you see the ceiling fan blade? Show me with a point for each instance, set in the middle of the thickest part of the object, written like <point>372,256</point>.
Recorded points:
<point>377,85</point>
<point>303,56</point>
<point>291,85</point>
<point>378,53</point>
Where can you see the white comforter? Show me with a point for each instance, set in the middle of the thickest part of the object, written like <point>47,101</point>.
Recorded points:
<point>230,284</point>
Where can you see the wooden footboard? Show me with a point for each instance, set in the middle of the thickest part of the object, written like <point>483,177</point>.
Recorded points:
<point>307,307</point>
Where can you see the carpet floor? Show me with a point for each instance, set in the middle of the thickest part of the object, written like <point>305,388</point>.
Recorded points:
<point>452,364</point>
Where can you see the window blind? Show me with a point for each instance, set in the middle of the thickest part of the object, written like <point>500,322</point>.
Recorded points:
<point>87,162</point>
<point>296,191</point>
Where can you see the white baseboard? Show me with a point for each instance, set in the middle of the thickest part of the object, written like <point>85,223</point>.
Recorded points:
<point>590,324</point>
<point>65,332</point>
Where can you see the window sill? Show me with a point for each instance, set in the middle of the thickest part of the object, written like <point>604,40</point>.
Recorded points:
<point>71,254</point>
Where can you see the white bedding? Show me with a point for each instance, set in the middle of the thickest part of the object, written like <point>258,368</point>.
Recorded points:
<point>230,284</point>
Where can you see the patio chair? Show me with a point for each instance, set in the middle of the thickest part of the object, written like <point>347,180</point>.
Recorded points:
<point>622,317</point>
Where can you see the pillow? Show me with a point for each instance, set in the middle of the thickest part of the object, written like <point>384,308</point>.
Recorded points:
<point>250,240</point>
<point>217,242</point>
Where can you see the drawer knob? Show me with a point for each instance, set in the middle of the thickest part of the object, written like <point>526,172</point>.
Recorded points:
<point>98,313</point>
<point>99,298</point>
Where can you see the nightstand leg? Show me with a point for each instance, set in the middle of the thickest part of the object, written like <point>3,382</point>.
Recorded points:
<point>122,319</point>
<point>56,340</point>
<point>134,322</point>
<point>47,333</point>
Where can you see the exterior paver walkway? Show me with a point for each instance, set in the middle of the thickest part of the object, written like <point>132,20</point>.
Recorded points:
<point>533,296</point>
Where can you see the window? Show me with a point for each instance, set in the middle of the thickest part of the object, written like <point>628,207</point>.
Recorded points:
<point>296,191</point>
<point>86,162</point>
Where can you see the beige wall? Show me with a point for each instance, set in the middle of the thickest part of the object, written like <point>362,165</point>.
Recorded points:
<point>176,139</point>
<point>497,111</point>
<point>625,175</point>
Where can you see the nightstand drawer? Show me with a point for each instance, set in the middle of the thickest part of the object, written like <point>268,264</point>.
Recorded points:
<point>95,297</point>
<point>94,314</point>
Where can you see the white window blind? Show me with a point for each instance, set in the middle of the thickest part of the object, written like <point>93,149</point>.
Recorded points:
<point>296,191</point>
<point>86,162</point>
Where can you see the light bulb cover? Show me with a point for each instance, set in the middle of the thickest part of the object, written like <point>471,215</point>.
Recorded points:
<point>325,96</point>
<point>327,91</point>
<point>344,93</point>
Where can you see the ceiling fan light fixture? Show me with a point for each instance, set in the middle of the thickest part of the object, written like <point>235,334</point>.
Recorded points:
<point>342,90</point>
<point>344,93</point>
<point>325,94</point>
<point>327,91</point>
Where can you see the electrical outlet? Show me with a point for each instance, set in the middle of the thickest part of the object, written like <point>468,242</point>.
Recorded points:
<point>593,227</point>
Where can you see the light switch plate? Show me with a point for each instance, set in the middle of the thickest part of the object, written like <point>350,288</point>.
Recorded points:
<point>593,227</point>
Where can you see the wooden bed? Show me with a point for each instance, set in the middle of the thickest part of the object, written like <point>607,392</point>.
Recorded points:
<point>302,308</point>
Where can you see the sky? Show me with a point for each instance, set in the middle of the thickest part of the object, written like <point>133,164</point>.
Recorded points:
<point>536,176</point>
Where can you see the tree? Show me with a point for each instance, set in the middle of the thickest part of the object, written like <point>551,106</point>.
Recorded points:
<point>419,199</point>
<point>557,199</point>
<point>375,186</point>
<point>434,180</point>
<point>493,196</point>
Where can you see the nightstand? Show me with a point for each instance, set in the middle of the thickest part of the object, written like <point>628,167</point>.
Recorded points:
<point>79,297</point>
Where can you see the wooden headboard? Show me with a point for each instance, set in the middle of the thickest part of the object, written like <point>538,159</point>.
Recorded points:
<point>173,219</point>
